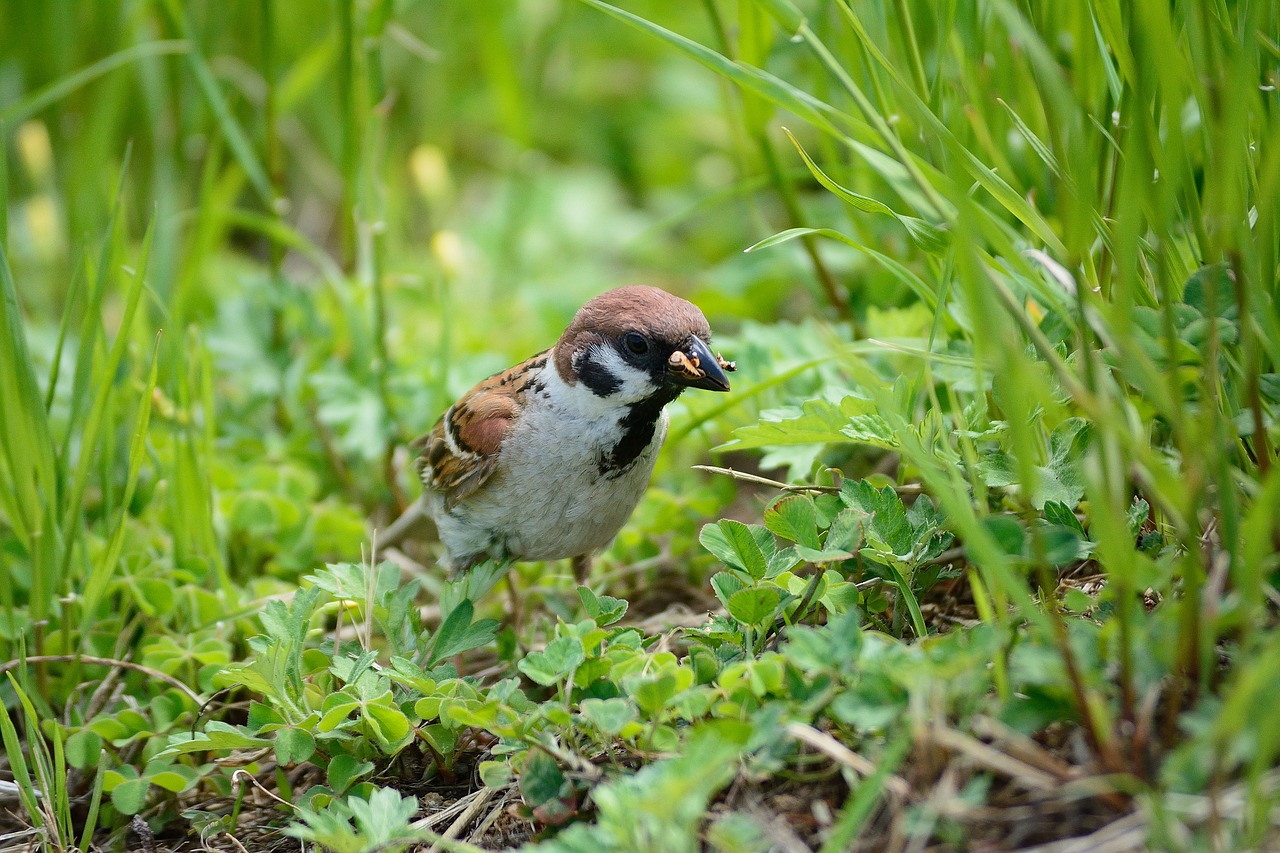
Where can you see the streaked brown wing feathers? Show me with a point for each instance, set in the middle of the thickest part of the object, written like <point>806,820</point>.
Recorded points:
<point>461,451</point>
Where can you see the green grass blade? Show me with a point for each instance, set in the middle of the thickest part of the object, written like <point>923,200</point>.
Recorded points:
<point>235,136</point>
<point>1037,144</point>
<point>77,283</point>
<point>195,542</point>
<point>863,797</point>
<point>79,480</point>
<point>930,238</point>
<point>899,270</point>
<point>283,234</point>
<point>4,187</point>
<point>46,96</point>
<point>29,467</point>
<point>18,763</point>
<point>91,325</point>
<point>59,799</point>
<point>102,571</point>
<point>907,597</point>
<point>997,187</point>
<point>95,802</point>
<point>49,776</point>
<point>775,90</point>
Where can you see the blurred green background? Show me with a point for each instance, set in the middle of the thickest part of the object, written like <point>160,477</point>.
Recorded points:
<point>545,148</point>
<point>368,206</point>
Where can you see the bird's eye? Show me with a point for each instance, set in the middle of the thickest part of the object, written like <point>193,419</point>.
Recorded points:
<point>636,342</point>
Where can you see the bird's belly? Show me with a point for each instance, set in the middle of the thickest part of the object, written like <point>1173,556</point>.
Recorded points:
<point>566,515</point>
<point>548,501</point>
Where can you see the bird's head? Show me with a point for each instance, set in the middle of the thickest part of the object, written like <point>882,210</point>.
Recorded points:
<point>640,343</point>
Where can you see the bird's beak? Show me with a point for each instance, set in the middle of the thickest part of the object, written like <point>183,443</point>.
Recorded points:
<point>695,366</point>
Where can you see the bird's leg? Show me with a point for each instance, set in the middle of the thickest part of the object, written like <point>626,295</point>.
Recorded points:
<point>581,568</point>
<point>513,601</point>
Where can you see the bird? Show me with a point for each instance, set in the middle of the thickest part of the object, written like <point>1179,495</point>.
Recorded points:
<point>547,460</point>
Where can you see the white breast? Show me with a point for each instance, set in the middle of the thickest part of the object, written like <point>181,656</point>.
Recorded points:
<point>547,498</point>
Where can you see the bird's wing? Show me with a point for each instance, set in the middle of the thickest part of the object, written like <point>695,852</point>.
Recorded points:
<point>461,451</point>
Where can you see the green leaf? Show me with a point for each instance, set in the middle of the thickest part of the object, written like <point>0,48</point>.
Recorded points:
<point>725,584</point>
<point>1008,532</point>
<point>815,422</point>
<point>887,529</point>
<point>293,746</point>
<point>130,796</point>
<point>1056,512</point>
<point>443,739</point>
<point>262,715</point>
<point>874,704</point>
<point>1211,290</point>
<point>409,674</point>
<point>560,657</point>
<point>478,715</point>
<point>1068,448</point>
<point>823,555</point>
<point>216,735</point>
<point>604,609</point>
<point>739,545</point>
<point>496,774</point>
<point>541,780</point>
<point>1077,601</point>
<point>783,561</point>
<point>336,709</point>
<point>652,692</point>
<point>845,532</point>
<point>737,831</point>
<point>1061,544</point>
<point>608,715</point>
<point>383,817</point>
<point>172,777</point>
<point>872,430</point>
<point>83,749</point>
<point>388,724</point>
<point>754,606</point>
<point>1137,516</point>
<point>344,770</point>
<point>1269,387</point>
<point>794,518</point>
<point>458,634</point>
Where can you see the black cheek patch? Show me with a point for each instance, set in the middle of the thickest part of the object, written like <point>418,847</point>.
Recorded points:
<point>597,377</point>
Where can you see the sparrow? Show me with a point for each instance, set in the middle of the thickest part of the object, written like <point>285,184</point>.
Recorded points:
<point>547,460</point>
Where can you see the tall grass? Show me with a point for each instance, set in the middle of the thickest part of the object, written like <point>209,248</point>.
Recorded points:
<point>1099,195</point>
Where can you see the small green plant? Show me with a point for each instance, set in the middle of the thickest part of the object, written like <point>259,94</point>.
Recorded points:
<point>866,531</point>
<point>354,824</point>
<point>335,705</point>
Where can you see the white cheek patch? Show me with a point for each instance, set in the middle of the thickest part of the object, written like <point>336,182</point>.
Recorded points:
<point>633,384</point>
